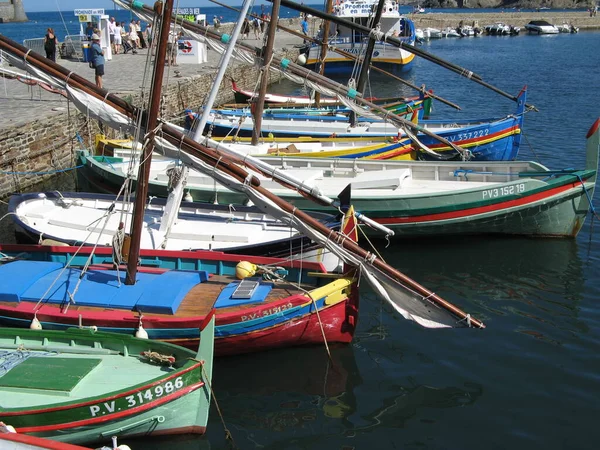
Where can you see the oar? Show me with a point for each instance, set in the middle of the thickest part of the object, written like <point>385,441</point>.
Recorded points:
<point>398,43</point>
<point>350,56</point>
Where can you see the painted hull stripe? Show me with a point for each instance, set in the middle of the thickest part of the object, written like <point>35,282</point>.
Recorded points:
<point>481,210</point>
<point>119,415</point>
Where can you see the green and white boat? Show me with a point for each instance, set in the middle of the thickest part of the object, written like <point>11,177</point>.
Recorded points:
<point>412,198</point>
<point>83,386</point>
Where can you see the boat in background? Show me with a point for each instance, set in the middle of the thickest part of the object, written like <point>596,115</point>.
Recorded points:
<point>541,27</point>
<point>385,56</point>
<point>488,139</point>
<point>244,97</point>
<point>567,28</point>
<point>82,385</point>
<point>450,32</point>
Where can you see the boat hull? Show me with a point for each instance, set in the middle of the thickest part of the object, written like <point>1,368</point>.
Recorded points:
<point>289,321</point>
<point>105,388</point>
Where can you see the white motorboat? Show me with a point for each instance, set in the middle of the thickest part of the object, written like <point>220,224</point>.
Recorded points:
<point>450,32</point>
<point>541,27</point>
<point>497,29</point>
<point>567,28</point>
<point>432,33</point>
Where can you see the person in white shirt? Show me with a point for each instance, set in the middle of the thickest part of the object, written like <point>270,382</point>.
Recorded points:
<point>133,36</point>
<point>111,31</point>
<point>172,48</point>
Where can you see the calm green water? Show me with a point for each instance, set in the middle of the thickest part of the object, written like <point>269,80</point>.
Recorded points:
<point>530,380</point>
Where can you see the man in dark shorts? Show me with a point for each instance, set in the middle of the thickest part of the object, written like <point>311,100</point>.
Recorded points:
<point>97,59</point>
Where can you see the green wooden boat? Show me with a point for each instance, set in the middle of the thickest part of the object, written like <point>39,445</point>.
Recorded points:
<point>83,386</point>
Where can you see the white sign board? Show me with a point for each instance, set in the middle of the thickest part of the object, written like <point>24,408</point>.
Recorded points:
<point>93,12</point>
<point>191,52</point>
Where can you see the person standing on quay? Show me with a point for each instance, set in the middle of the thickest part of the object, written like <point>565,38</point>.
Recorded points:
<point>97,59</point>
<point>50,44</point>
<point>111,32</point>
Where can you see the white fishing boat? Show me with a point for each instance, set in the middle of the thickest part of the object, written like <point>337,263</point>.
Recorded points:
<point>64,218</point>
<point>384,55</point>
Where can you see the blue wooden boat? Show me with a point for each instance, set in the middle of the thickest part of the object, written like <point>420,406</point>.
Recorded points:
<point>491,139</point>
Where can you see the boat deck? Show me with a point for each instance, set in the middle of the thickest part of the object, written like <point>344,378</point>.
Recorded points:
<point>64,377</point>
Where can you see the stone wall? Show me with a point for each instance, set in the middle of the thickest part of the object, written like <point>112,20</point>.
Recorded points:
<point>12,11</point>
<point>48,144</point>
<point>43,145</point>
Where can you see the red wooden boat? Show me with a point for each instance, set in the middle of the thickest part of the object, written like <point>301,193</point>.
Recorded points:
<point>278,314</point>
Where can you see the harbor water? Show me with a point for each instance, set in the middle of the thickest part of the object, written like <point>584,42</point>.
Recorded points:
<point>531,379</point>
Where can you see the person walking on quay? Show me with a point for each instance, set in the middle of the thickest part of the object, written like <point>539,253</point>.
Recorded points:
<point>50,44</point>
<point>89,30</point>
<point>256,27</point>
<point>97,59</point>
<point>304,27</point>
<point>117,38</point>
<point>148,32</point>
<point>133,37</point>
<point>246,29</point>
<point>140,34</point>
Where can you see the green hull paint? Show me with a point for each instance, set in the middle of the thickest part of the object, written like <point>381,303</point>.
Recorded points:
<point>116,393</point>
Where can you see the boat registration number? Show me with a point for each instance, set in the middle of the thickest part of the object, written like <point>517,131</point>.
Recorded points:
<point>469,135</point>
<point>504,190</point>
<point>138,398</point>
<point>266,312</point>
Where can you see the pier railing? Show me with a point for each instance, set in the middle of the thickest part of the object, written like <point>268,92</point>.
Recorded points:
<point>70,48</point>
<point>36,44</point>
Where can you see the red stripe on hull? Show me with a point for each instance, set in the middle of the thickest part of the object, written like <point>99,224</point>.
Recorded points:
<point>38,442</point>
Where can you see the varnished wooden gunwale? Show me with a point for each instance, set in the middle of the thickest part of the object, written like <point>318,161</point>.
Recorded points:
<point>198,301</point>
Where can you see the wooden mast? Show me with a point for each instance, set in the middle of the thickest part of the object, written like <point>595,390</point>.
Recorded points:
<point>364,70</point>
<point>163,10</point>
<point>267,53</point>
<point>324,45</point>
<point>232,166</point>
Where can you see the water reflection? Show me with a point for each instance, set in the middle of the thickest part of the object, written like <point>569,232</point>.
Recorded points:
<point>542,279</point>
<point>298,398</point>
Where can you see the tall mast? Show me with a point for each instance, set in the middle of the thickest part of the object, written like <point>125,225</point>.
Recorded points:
<point>164,11</point>
<point>223,65</point>
<point>267,53</point>
<point>324,45</point>
<point>364,70</point>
